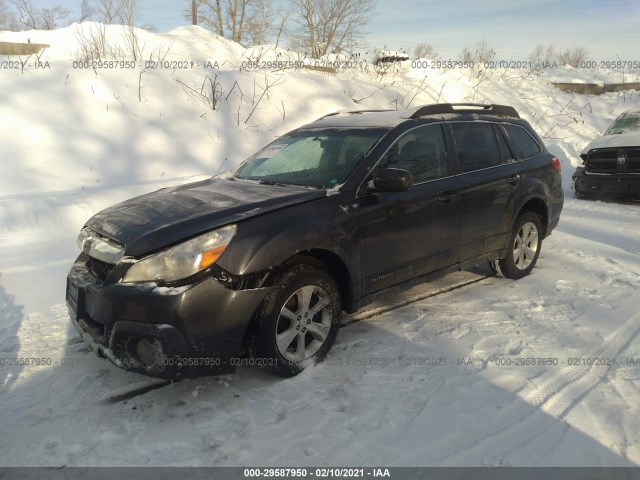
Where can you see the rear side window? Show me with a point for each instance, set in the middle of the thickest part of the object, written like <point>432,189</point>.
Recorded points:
<point>505,153</point>
<point>477,146</point>
<point>522,141</point>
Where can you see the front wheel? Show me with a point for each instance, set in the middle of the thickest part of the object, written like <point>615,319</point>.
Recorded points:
<point>524,247</point>
<point>297,322</point>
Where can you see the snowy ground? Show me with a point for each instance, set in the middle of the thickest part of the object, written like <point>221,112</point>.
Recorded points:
<point>76,140</point>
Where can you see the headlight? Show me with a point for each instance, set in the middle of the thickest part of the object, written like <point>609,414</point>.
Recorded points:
<point>182,260</point>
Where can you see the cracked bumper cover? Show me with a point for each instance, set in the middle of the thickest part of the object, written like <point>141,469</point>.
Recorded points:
<point>197,328</point>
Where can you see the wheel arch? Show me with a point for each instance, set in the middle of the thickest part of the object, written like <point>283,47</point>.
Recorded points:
<point>334,265</point>
<point>325,260</point>
<point>322,259</point>
<point>538,206</point>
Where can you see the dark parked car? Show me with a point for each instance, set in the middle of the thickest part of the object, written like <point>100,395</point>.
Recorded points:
<point>611,163</point>
<point>256,267</point>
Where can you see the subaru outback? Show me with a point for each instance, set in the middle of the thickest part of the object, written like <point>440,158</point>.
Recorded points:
<point>257,266</point>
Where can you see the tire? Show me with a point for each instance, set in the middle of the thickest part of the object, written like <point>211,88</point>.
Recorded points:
<point>298,321</point>
<point>524,247</point>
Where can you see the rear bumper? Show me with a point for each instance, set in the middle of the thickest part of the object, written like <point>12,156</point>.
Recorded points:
<point>162,332</point>
<point>615,184</point>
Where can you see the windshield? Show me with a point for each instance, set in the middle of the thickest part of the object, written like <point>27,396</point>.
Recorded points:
<point>626,122</point>
<point>315,158</point>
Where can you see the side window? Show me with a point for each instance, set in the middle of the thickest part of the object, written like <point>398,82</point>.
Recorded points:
<point>476,144</point>
<point>421,151</point>
<point>505,152</point>
<point>523,142</point>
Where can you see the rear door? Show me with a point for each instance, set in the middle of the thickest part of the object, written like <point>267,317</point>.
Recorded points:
<point>488,175</point>
<point>407,234</point>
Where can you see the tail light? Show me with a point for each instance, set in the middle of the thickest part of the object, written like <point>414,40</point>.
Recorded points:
<point>555,163</point>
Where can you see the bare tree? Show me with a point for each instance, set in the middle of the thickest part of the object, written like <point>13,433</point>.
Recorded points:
<point>574,56</point>
<point>243,21</point>
<point>87,11</point>
<point>542,55</point>
<point>126,12</point>
<point>257,23</point>
<point>121,12</point>
<point>93,42</point>
<point>194,13</point>
<point>283,20</point>
<point>41,19</point>
<point>327,26</point>
<point>107,11</point>
<point>8,19</point>
<point>424,50</point>
<point>218,14</point>
<point>483,52</point>
<point>51,18</point>
<point>27,14</point>
<point>127,15</point>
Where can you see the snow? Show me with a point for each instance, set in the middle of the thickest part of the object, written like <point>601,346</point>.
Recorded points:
<point>379,119</point>
<point>77,140</point>
<point>167,291</point>
<point>627,139</point>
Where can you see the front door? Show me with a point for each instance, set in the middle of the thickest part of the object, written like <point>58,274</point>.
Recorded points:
<point>408,234</point>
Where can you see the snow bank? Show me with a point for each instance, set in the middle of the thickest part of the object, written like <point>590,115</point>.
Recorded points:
<point>76,139</point>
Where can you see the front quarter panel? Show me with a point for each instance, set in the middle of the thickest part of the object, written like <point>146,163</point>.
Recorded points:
<point>267,241</point>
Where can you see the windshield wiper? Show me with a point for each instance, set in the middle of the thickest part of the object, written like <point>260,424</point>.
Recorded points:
<point>274,183</point>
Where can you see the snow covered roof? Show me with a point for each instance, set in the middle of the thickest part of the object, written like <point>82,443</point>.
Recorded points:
<point>361,118</point>
<point>391,118</point>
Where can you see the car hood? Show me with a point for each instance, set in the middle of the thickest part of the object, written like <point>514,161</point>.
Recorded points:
<point>156,220</point>
<point>629,139</point>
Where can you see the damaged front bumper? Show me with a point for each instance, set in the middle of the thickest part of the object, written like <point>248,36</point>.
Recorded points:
<point>588,184</point>
<point>163,332</point>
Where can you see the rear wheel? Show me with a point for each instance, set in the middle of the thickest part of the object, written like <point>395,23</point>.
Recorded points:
<point>297,322</point>
<point>524,247</point>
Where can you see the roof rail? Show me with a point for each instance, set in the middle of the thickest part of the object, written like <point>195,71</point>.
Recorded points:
<point>478,108</point>
<point>351,112</point>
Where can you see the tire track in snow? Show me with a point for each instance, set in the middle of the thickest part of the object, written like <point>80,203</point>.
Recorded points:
<point>555,396</point>
<point>576,381</point>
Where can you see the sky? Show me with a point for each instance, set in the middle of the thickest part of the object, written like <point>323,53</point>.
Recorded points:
<point>607,28</point>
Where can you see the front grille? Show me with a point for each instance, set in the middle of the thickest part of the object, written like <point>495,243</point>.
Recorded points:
<point>633,165</point>
<point>99,269</point>
<point>606,161</point>
<point>633,160</point>
<point>604,155</point>
<point>602,166</point>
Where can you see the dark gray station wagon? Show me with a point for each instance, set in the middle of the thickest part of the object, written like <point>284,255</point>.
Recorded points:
<point>256,267</point>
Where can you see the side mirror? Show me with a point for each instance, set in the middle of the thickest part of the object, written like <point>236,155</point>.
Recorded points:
<point>392,180</point>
